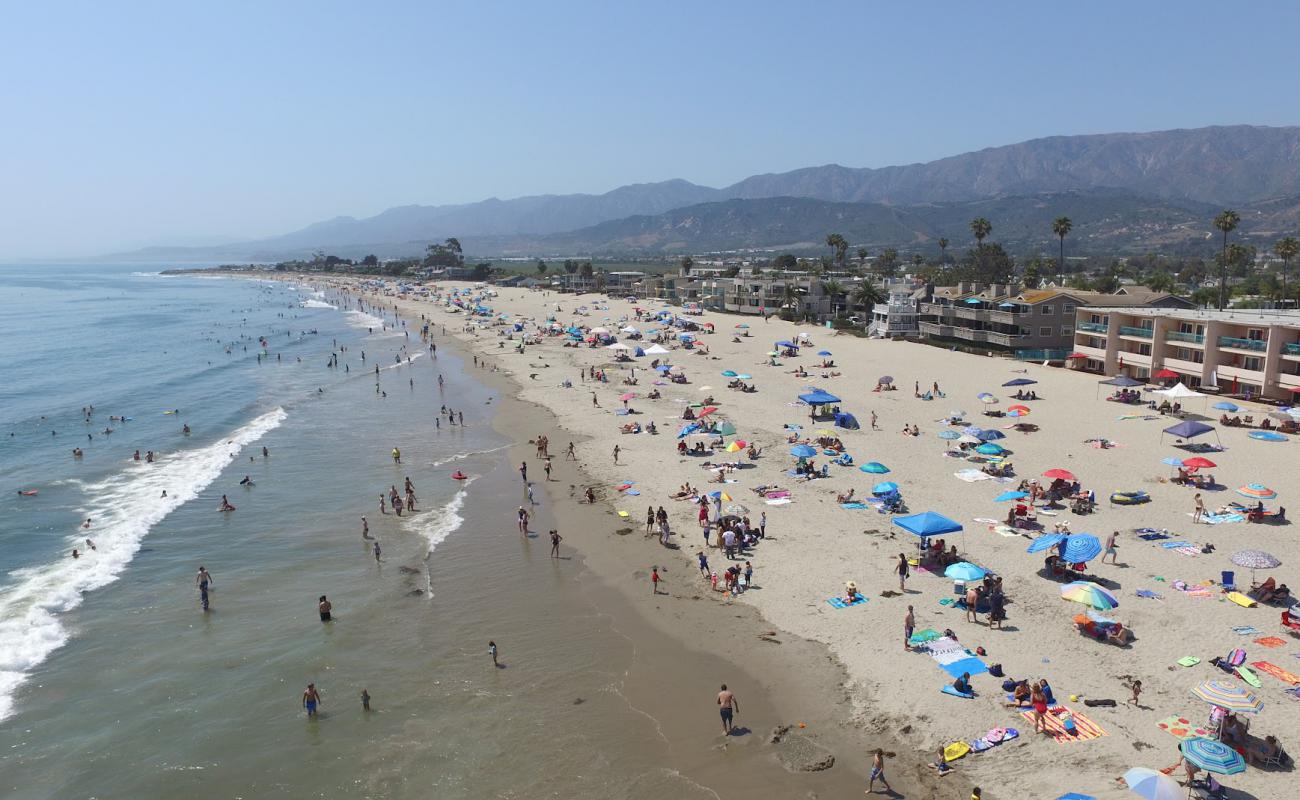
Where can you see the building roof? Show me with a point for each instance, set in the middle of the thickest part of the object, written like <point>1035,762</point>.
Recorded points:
<point>1241,316</point>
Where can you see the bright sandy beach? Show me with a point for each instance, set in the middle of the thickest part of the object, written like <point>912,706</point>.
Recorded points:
<point>814,545</point>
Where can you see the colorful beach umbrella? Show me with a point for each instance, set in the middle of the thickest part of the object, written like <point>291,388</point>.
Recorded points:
<point>1017,410</point>
<point>1153,785</point>
<point>1257,491</point>
<point>627,396</point>
<point>874,468</point>
<point>965,571</point>
<point>1063,474</point>
<point>736,446</point>
<point>1212,756</point>
<point>1228,696</point>
<point>1089,594</point>
<point>1255,559</point>
<point>1173,461</point>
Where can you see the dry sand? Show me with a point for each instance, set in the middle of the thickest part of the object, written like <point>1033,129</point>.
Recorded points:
<point>814,546</point>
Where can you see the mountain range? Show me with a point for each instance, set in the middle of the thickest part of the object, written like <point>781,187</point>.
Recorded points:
<point>1123,190</point>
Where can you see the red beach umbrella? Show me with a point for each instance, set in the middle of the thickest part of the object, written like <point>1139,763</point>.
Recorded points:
<point>1165,374</point>
<point>1063,474</point>
<point>1198,462</point>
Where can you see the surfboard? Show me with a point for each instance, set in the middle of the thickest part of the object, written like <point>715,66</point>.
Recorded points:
<point>1248,676</point>
<point>1241,599</point>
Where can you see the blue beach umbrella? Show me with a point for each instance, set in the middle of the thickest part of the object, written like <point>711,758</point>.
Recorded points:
<point>1010,496</point>
<point>985,397</point>
<point>884,487</point>
<point>874,468</point>
<point>1046,542</point>
<point>1173,461</point>
<point>803,451</point>
<point>965,571</point>
<point>1212,756</point>
<point>1224,405</point>
<point>824,353</point>
<point>989,449</point>
<point>1082,547</point>
<point>949,434</point>
<point>744,377</point>
<point>1020,382</point>
<point>990,435</point>
<point>728,373</point>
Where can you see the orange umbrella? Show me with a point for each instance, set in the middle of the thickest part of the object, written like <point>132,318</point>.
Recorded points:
<point>707,411</point>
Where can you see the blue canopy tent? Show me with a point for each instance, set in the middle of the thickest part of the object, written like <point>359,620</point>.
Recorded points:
<point>846,421</point>
<point>818,397</point>
<point>927,524</point>
<point>1189,429</point>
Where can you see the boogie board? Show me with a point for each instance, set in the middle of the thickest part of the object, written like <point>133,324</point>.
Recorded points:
<point>1248,676</point>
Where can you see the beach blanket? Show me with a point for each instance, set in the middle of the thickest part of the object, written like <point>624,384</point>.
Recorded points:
<point>1172,545</point>
<point>971,475</point>
<point>838,602</point>
<point>1183,728</point>
<point>1147,593</point>
<point>1245,630</point>
<point>944,644</point>
<point>1220,519</point>
<point>987,520</point>
<point>971,665</point>
<point>1085,728</point>
<point>923,636</point>
<point>1006,530</point>
<point>1151,537</point>
<point>1270,641</point>
<point>779,501</point>
<point>854,506</point>
<point>1277,672</point>
<point>777,494</point>
<point>1187,551</point>
<point>1294,694</point>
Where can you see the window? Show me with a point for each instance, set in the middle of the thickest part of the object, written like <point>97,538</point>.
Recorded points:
<point>1253,363</point>
<point>1045,331</point>
<point>1067,330</point>
<point>1068,308</point>
<point>1255,334</point>
<point>1047,310</point>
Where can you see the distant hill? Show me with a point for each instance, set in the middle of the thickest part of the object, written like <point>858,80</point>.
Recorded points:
<point>1135,185</point>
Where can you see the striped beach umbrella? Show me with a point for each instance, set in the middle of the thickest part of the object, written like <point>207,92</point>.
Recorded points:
<point>1153,785</point>
<point>1257,491</point>
<point>985,397</point>
<point>1228,696</point>
<point>1081,547</point>
<point>1212,756</point>
<point>1090,594</point>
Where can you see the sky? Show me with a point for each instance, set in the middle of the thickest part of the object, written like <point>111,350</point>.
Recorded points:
<point>131,123</point>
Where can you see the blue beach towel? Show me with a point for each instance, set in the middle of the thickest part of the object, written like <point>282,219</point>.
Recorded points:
<point>838,602</point>
<point>1153,536</point>
<point>1148,593</point>
<point>854,505</point>
<point>971,665</point>
<point>949,689</point>
<point>1172,545</point>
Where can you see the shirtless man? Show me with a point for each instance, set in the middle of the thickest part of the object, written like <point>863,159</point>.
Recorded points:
<point>728,706</point>
<point>203,580</point>
<point>311,699</point>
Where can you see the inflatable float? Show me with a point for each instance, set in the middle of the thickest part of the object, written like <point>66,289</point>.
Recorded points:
<point>1129,498</point>
<point>458,476</point>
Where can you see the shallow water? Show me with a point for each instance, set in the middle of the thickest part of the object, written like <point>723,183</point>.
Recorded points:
<point>116,684</point>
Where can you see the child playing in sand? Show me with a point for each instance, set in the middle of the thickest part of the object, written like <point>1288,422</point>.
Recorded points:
<point>1136,688</point>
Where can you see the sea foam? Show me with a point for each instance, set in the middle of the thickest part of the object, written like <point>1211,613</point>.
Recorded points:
<point>125,507</point>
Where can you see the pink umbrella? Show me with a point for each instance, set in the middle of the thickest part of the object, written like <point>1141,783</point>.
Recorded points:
<point>628,396</point>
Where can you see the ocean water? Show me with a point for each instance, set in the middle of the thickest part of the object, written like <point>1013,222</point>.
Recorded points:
<point>115,683</point>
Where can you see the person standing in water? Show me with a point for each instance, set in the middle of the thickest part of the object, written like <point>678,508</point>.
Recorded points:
<point>326,609</point>
<point>311,699</point>
<point>204,581</point>
<point>728,706</point>
<point>556,538</point>
<point>492,651</point>
<point>377,551</point>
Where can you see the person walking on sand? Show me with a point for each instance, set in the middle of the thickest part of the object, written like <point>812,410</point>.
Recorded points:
<point>1112,549</point>
<point>878,772</point>
<point>728,707</point>
<point>704,563</point>
<point>556,538</point>
<point>310,699</point>
<point>523,471</point>
<point>654,580</point>
<point>972,603</point>
<point>909,625</point>
<point>616,452</point>
<point>594,402</point>
<point>383,509</point>
<point>1199,512</point>
<point>546,467</point>
<point>875,427</point>
<point>571,455</point>
<point>903,572</point>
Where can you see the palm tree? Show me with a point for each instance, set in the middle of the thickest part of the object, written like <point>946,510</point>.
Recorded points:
<point>839,245</point>
<point>1061,226</point>
<point>1226,221</point>
<point>1286,249</point>
<point>943,250</point>
<point>867,294</point>
<point>981,228</point>
<point>862,257</point>
<point>834,289</point>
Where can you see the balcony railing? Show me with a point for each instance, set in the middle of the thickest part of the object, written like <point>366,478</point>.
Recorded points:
<point>1093,327</point>
<point>1258,345</point>
<point>1141,333</point>
<point>1180,336</point>
<point>1291,349</point>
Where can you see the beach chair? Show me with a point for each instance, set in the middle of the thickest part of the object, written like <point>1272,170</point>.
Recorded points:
<point>1290,623</point>
<point>1228,579</point>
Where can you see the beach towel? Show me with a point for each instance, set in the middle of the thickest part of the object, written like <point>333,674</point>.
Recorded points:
<point>944,644</point>
<point>1152,537</point>
<point>1245,630</point>
<point>1277,672</point>
<point>952,690</point>
<point>1085,728</point>
<point>923,636</point>
<point>987,520</point>
<point>1149,594</point>
<point>971,475</point>
<point>632,492</point>
<point>777,494</point>
<point>1187,551</point>
<point>1220,519</point>
<point>950,657</point>
<point>779,501</point>
<point>1270,641</point>
<point>1006,530</point>
<point>838,602</point>
<point>1172,545</point>
<point>954,751</point>
<point>973,666</point>
<point>1294,694</point>
<point>1236,657</point>
<point>1188,661</point>
<point>1183,728</point>
<point>854,506</point>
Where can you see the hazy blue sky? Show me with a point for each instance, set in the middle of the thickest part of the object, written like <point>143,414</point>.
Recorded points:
<point>132,123</point>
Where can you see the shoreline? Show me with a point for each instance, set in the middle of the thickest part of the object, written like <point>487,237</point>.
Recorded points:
<point>787,680</point>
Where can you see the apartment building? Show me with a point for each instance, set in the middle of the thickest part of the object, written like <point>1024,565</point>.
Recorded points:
<point>1032,323</point>
<point>900,314</point>
<point>1242,352</point>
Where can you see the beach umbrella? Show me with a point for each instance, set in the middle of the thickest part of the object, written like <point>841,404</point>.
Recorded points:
<point>1267,436</point>
<point>1173,461</point>
<point>990,435</point>
<point>627,396</point>
<point>1020,382</point>
<point>1021,410</point>
<point>874,468</point>
<point>1045,542</point>
<point>989,449</point>
<point>1089,594</point>
<point>744,376</point>
<point>949,434</point>
<point>743,325</point>
<point>884,487</point>
<point>1198,462</point>
<point>1010,496</point>
<point>1257,491</point>
<point>1188,429</point>
<point>1255,559</point>
<point>1228,696</point>
<point>1081,547</point>
<point>1224,405</point>
<point>803,451</point>
<point>707,411</point>
<point>985,397</point>
<point>965,571</point>
<point>885,379</point>
<point>1153,785</point>
<point>1165,374</point>
<point>1212,756</point>
<point>1016,412</point>
<point>1096,617</point>
<point>728,373</point>
<point>825,353</point>
<point>1063,474</point>
<point>736,446</point>
<point>956,413</point>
